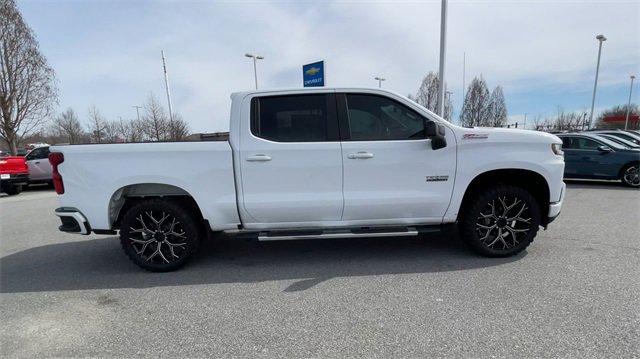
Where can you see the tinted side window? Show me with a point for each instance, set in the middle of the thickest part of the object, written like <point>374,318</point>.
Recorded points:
<point>567,142</point>
<point>300,118</point>
<point>45,153</point>
<point>586,144</point>
<point>379,118</point>
<point>38,153</point>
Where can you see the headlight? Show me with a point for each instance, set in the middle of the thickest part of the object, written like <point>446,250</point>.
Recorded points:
<point>557,149</point>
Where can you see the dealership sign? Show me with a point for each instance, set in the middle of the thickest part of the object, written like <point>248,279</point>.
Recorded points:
<point>313,74</point>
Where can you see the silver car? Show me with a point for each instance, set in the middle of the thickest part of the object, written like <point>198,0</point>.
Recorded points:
<point>39,167</point>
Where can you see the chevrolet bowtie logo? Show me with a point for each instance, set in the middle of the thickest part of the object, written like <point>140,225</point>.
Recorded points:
<point>312,71</point>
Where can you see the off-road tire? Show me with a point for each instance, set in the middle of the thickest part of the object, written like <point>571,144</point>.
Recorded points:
<point>174,250</point>
<point>473,218</point>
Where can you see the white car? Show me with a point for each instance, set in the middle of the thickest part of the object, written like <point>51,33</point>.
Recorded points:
<point>315,163</point>
<point>39,167</point>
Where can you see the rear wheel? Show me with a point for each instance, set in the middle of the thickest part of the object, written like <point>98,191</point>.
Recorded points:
<point>12,189</point>
<point>500,221</point>
<point>631,175</point>
<point>159,235</point>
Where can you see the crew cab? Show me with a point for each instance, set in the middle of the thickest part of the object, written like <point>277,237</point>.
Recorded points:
<point>314,163</point>
<point>14,174</point>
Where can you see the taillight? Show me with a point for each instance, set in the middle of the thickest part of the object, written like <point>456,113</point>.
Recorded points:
<point>56,158</point>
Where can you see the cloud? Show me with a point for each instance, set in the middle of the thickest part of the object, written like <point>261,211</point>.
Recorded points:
<point>108,54</point>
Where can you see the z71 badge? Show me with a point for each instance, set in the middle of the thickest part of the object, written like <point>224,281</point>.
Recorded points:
<point>475,136</point>
<point>437,178</point>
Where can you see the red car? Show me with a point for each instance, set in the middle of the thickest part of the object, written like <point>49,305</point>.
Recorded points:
<point>14,174</point>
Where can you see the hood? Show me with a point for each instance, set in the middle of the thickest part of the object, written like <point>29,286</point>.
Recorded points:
<point>498,134</point>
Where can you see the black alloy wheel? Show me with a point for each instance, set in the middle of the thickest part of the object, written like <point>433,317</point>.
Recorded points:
<point>159,235</point>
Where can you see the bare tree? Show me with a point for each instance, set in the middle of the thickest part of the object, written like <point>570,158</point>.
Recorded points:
<point>538,122</point>
<point>97,124</point>
<point>475,108</point>
<point>131,131</point>
<point>27,83</point>
<point>112,132</point>
<point>178,128</point>
<point>497,111</point>
<point>155,120</point>
<point>68,127</point>
<point>427,95</point>
<point>563,121</point>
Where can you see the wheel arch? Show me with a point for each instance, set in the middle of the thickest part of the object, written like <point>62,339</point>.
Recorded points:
<point>126,196</point>
<point>531,181</point>
<point>624,166</point>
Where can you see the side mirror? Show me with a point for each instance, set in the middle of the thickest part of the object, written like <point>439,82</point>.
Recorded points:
<point>604,149</point>
<point>436,132</point>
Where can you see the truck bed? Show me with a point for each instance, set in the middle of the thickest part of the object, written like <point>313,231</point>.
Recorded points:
<point>102,173</point>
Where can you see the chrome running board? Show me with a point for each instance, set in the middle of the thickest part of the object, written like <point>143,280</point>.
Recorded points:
<point>266,236</point>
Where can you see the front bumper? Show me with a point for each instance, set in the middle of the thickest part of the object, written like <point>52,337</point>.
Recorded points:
<point>556,207</point>
<point>72,221</point>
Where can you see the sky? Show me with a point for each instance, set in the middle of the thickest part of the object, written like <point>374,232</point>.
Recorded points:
<point>543,53</point>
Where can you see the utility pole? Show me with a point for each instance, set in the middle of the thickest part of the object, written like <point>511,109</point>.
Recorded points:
<point>380,79</point>
<point>524,127</point>
<point>166,84</point>
<point>443,47</point>
<point>600,39</point>
<point>626,120</point>
<point>137,111</point>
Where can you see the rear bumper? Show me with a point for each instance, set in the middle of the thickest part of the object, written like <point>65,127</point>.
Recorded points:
<point>72,221</point>
<point>556,207</point>
<point>15,179</point>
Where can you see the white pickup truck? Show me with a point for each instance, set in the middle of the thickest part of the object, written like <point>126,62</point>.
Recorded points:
<point>313,163</point>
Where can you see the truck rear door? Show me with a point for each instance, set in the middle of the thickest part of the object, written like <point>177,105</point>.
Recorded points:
<point>291,160</point>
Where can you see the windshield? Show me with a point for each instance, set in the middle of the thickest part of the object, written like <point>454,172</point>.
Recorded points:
<point>620,141</point>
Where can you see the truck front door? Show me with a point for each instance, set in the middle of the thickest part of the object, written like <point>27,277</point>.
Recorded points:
<point>291,161</point>
<point>391,173</point>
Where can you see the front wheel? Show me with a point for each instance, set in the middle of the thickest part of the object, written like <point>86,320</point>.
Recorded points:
<point>631,175</point>
<point>500,221</point>
<point>159,235</point>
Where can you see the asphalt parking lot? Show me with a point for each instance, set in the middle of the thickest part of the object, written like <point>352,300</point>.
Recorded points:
<point>574,293</point>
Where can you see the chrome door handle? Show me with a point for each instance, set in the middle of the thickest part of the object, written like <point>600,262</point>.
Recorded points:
<point>259,158</point>
<point>360,155</point>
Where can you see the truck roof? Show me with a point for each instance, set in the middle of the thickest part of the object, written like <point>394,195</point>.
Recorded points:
<point>312,90</point>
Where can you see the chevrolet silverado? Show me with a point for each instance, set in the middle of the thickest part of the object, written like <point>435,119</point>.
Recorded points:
<point>314,163</point>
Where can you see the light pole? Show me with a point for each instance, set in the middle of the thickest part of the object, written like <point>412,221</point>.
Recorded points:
<point>443,46</point>
<point>137,111</point>
<point>600,39</point>
<point>255,71</point>
<point>626,120</point>
<point>380,79</point>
